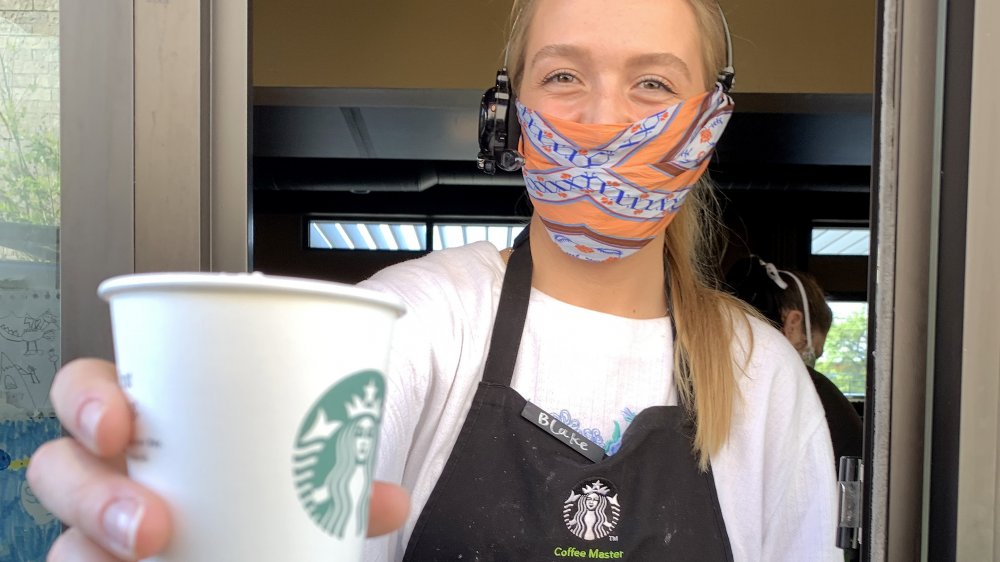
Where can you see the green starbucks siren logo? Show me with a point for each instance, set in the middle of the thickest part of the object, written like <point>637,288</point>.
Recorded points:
<point>334,450</point>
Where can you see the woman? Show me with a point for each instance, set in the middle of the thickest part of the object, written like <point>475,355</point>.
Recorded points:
<point>794,303</point>
<point>581,319</point>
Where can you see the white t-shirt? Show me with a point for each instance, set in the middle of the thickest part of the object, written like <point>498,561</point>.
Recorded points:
<point>774,476</point>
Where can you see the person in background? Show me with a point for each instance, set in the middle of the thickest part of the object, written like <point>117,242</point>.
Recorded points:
<point>604,306</point>
<point>794,303</point>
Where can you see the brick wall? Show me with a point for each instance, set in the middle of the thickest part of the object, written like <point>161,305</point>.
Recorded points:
<point>29,62</point>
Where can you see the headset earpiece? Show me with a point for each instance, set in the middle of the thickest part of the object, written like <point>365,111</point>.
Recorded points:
<point>499,130</point>
<point>726,77</point>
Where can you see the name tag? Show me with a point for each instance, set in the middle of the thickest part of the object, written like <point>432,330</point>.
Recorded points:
<point>562,432</point>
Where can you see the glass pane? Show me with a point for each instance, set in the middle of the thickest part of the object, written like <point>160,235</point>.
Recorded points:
<point>336,235</point>
<point>840,241</point>
<point>845,354</point>
<point>453,235</point>
<point>30,316</point>
<point>350,235</point>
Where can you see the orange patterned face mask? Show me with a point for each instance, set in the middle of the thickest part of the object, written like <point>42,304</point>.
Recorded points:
<point>605,191</point>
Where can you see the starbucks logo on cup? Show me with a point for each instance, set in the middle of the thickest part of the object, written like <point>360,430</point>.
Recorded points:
<point>334,454</point>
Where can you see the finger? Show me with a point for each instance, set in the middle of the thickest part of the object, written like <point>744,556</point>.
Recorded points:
<point>92,407</point>
<point>390,505</point>
<point>74,546</point>
<point>86,493</point>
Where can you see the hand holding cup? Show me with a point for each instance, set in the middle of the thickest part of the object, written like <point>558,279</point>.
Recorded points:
<point>81,480</point>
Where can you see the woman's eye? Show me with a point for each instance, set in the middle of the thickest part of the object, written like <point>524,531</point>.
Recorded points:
<point>559,78</point>
<point>653,85</point>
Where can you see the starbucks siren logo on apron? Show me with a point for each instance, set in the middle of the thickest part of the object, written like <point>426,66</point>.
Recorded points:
<point>592,510</point>
<point>334,454</point>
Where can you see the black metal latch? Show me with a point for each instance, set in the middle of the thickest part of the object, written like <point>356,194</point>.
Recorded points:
<point>851,492</point>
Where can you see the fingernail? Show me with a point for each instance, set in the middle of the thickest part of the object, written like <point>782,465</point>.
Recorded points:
<point>121,521</point>
<point>90,416</point>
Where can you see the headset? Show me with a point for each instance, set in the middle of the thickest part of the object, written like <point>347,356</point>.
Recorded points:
<point>500,131</point>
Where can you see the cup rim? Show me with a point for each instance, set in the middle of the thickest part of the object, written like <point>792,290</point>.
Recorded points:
<point>249,282</point>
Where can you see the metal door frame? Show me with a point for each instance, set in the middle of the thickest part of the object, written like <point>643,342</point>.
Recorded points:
<point>902,187</point>
<point>977,521</point>
<point>934,396</point>
<point>155,149</point>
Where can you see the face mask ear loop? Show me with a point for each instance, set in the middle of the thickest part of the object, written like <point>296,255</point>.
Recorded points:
<point>805,311</point>
<point>772,274</point>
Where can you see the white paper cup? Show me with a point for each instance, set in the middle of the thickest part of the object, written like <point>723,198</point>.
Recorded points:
<point>257,401</point>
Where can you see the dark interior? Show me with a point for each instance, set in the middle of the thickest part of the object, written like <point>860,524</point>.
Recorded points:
<point>787,163</point>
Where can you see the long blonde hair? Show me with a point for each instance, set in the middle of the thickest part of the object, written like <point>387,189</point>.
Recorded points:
<point>705,317</point>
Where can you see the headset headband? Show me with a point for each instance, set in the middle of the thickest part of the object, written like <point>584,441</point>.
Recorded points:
<point>727,76</point>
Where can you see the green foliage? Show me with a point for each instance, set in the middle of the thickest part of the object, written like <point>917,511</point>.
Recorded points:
<point>844,357</point>
<point>29,162</point>
<point>29,179</point>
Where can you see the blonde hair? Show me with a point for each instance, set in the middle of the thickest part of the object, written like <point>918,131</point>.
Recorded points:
<point>704,316</point>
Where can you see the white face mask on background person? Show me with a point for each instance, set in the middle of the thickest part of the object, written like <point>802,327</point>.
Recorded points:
<point>809,356</point>
<point>807,341</point>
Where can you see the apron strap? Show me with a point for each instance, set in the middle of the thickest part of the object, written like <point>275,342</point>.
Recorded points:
<point>511,312</point>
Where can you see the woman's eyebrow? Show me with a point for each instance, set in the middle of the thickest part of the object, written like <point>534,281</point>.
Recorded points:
<point>660,59</point>
<point>560,50</point>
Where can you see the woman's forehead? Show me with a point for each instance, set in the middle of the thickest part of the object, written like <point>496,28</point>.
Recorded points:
<point>613,29</point>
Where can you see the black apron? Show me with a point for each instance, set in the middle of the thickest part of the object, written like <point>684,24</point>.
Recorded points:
<point>510,491</point>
